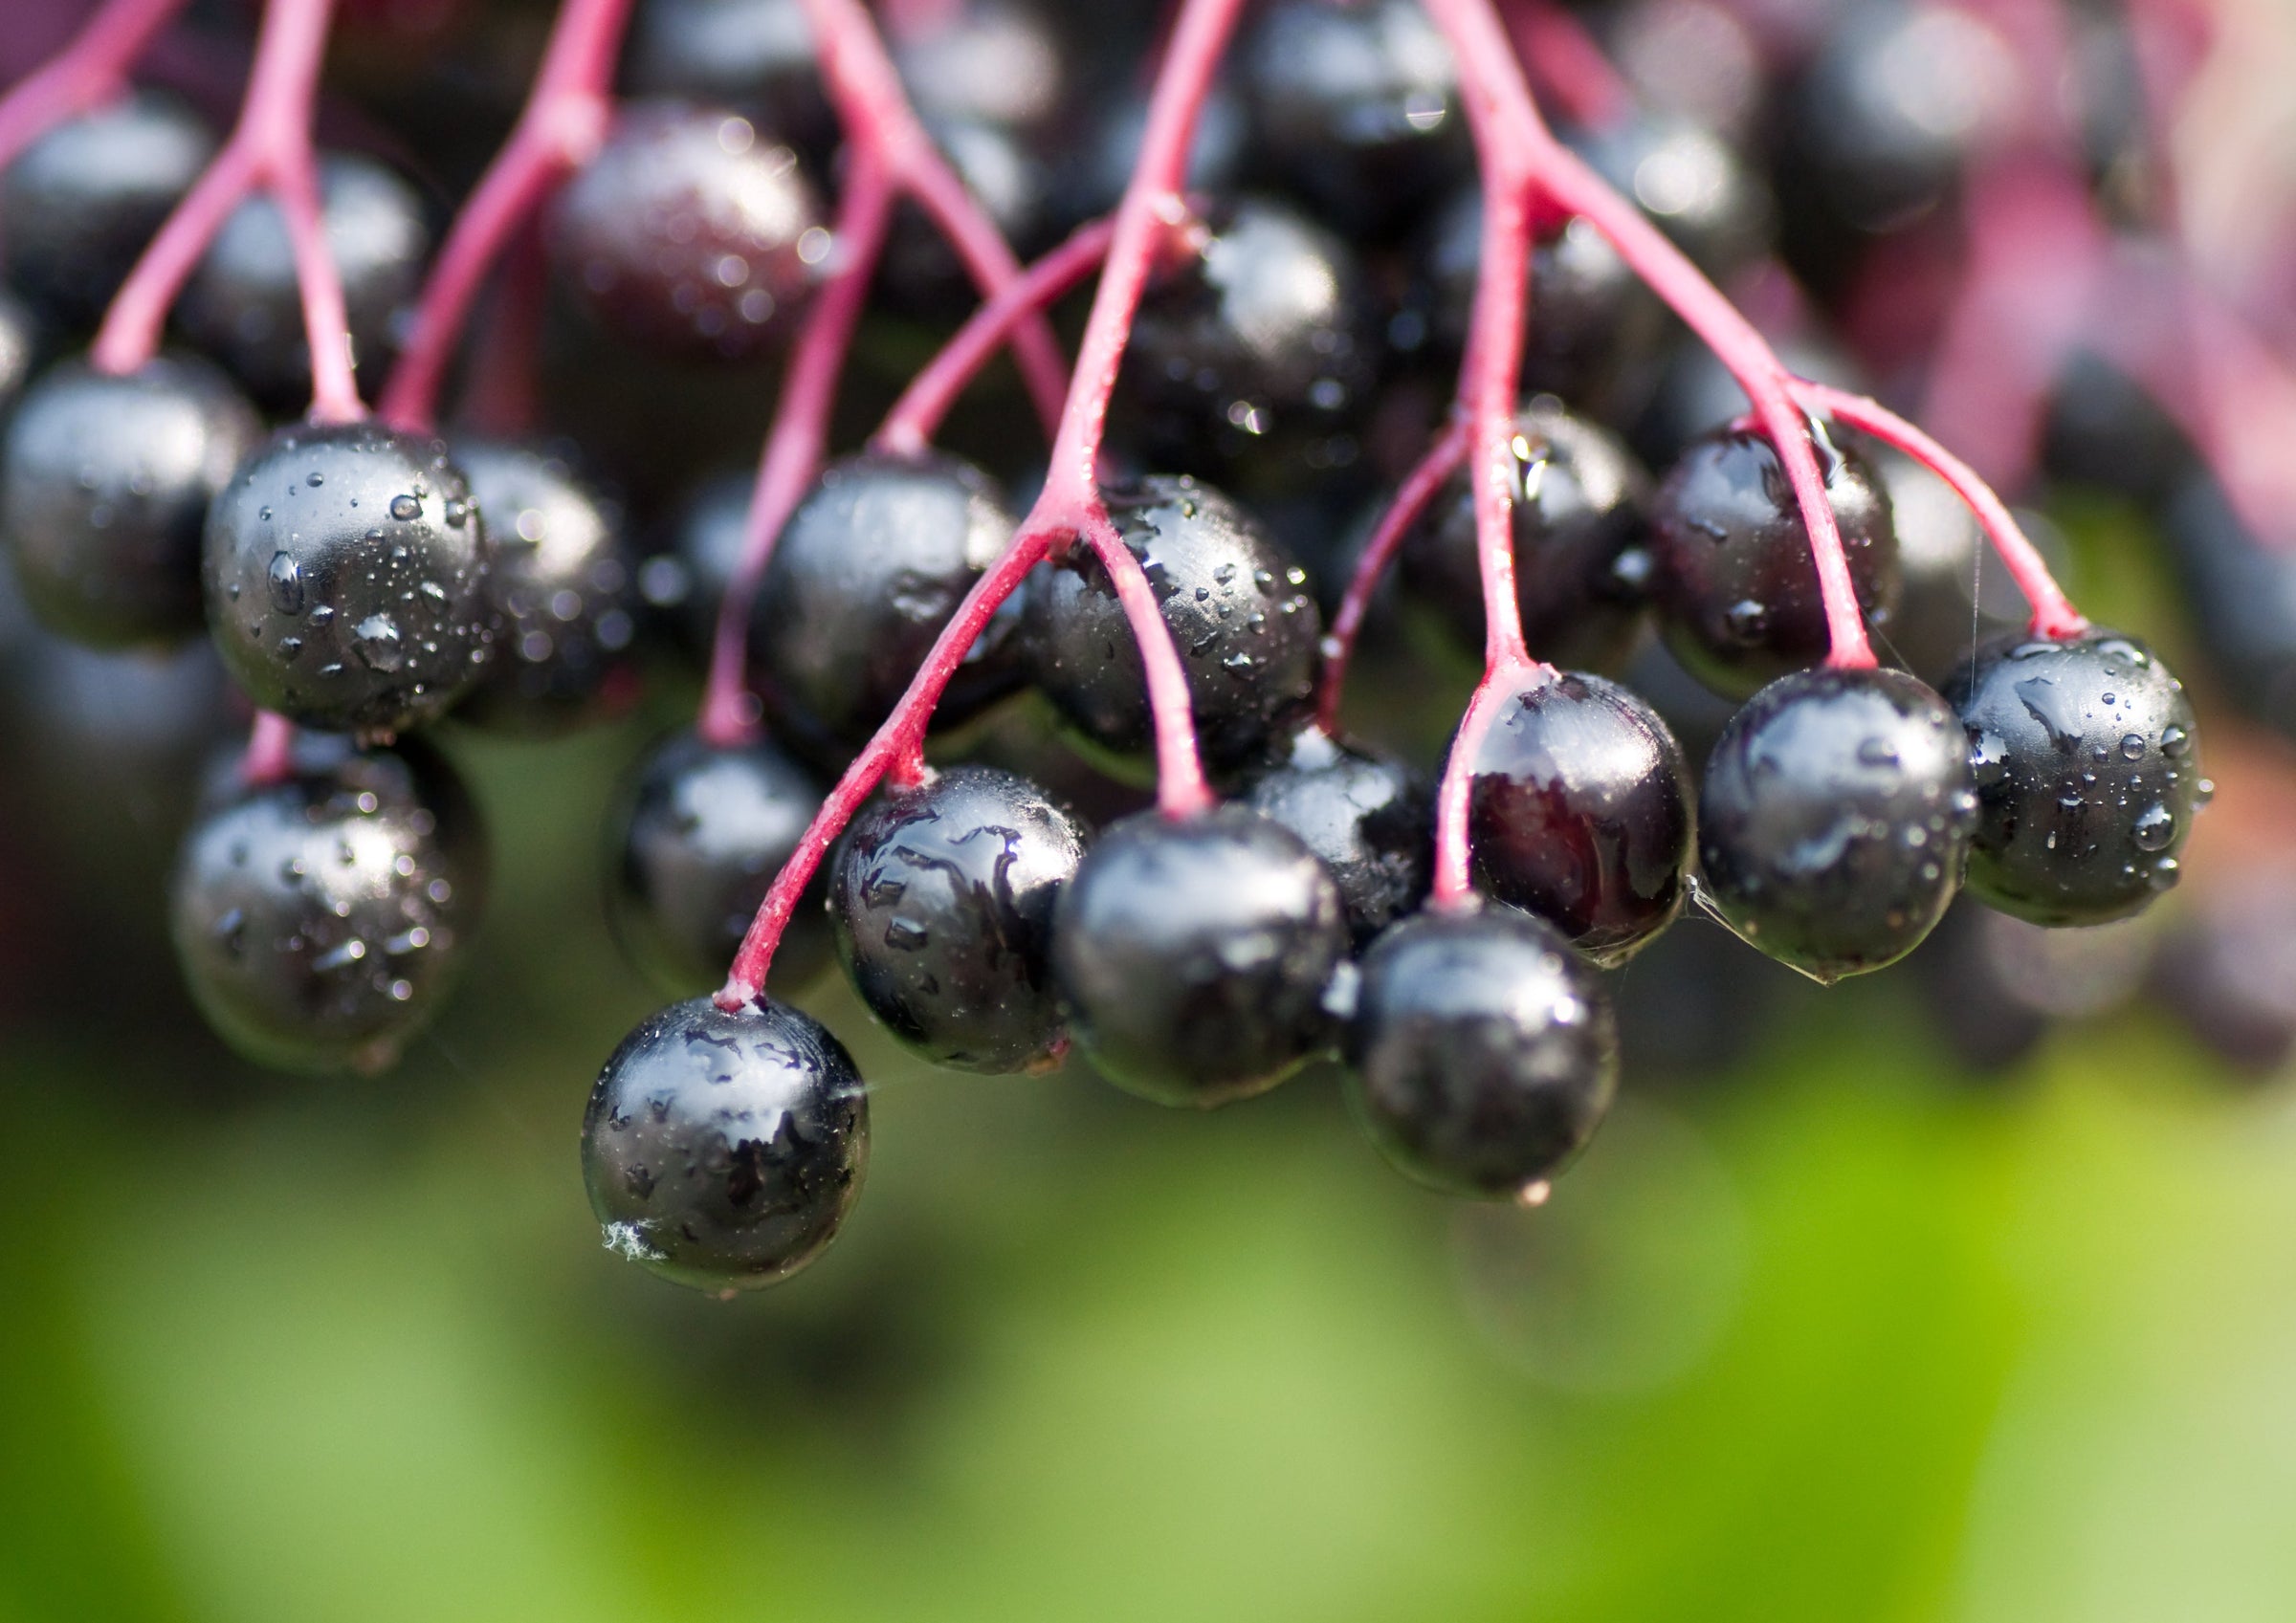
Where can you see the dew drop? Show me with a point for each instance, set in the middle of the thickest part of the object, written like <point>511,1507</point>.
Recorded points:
<point>406,508</point>
<point>2132,747</point>
<point>377,643</point>
<point>2154,827</point>
<point>286,581</point>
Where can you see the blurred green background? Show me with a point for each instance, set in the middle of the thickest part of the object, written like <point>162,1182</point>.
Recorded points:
<point>1837,1333</point>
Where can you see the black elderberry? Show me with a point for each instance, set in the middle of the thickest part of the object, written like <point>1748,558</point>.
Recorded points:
<point>692,232</point>
<point>244,306</point>
<point>1258,353</point>
<point>104,486</point>
<point>563,591</point>
<point>1693,184</point>
<point>722,1151</point>
<point>755,56</point>
<point>1248,631</point>
<point>79,205</point>
<point>1734,583</point>
<point>864,576</point>
<point>19,349</point>
<point>1368,815</point>
<point>345,571</point>
<point>1579,812</point>
<point>2227,968</point>
<point>2240,588</point>
<point>1096,173</point>
<point>318,918</point>
<point>2104,429</point>
<point>1582,561</point>
<point>1195,956</point>
<point>943,898</point>
<point>700,833</point>
<point>1835,819</point>
<point>2088,776</point>
<point>684,583</point>
<point>1485,1052</point>
<point>984,61</point>
<point>1356,107</point>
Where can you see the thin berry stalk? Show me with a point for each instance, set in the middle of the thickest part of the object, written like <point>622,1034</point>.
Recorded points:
<point>269,749</point>
<point>83,75</point>
<point>1411,498</point>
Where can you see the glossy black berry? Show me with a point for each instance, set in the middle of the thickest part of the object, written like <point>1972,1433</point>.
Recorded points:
<point>692,232</point>
<point>863,577</point>
<point>1693,184</point>
<point>1484,1052</point>
<point>942,899</point>
<point>1582,558</point>
<point>563,591</point>
<point>700,833</point>
<point>1259,351</point>
<point>79,205</point>
<point>1356,107</point>
<point>985,63</point>
<point>2240,588</point>
<point>1578,811</point>
<point>1248,631</point>
<point>2088,776</point>
<point>345,569</point>
<point>242,304</point>
<point>1368,815</point>
<point>19,349</point>
<point>1193,955</point>
<point>755,56</point>
<point>921,273</point>
<point>1733,579</point>
<point>104,486</point>
<point>317,919</point>
<point>1835,819</point>
<point>684,583</point>
<point>722,1151</point>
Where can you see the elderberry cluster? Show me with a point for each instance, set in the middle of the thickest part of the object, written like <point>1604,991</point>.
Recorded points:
<point>1684,739</point>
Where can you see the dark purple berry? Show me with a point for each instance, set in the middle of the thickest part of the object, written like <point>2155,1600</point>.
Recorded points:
<point>1368,815</point>
<point>2088,774</point>
<point>1693,184</point>
<point>723,1150</point>
<point>1259,353</point>
<point>2228,968</point>
<point>702,833</point>
<point>1241,615</point>
<point>563,591</point>
<point>1734,583</point>
<point>104,486</point>
<point>1356,107</point>
<point>317,919</point>
<point>19,350</point>
<point>243,305</point>
<point>693,233</point>
<point>79,205</point>
<point>983,62</point>
<point>684,583</point>
<point>755,56</point>
<point>1581,562</point>
<point>863,577</point>
<point>1579,812</point>
<point>345,573</point>
<point>1835,819</point>
<point>1195,956</point>
<point>1484,1052</point>
<point>2240,588</point>
<point>942,897</point>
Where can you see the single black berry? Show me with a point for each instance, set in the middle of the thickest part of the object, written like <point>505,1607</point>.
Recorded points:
<point>2088,775</point>
<point>755,56</point>
<point>942,897</point>
<point>1734,582</point>
<point>104,486</point>
<point>684,583</point>
<point>1582,561</point>
<point>318,918</point>
<point>700,833</point>
<point>1691,182</point>
<point>1835,819</point>
<point>863,577</point>
<point>1195,956</point>
<point>1249,632</point>
<point>346,572</point>
<point>244,307</point>
<point>79,205</point>
<point>2240,588</point>
<point>1484,1051</point>
<point>722,1151</point>
<point>1368,815</point>
<point>1258,354</point>
<point>692,232</point>
<point>1579,812</point>
<point>563,591</point>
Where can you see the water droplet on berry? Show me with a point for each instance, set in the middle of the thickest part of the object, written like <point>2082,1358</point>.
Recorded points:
<point>2175,742</point>
<point>377,642</point>
<point>286,580</point>
<point>2154,827</point>
<point>2132,747</point>
<point>1746,620</point>
<point>406,508</point>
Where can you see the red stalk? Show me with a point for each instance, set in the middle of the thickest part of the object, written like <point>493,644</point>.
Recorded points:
<point>84,75</point>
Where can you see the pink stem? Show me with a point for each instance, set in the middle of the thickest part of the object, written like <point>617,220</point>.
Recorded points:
<point>1069,507</point>
<point>924,404</point>
<point>270,147</point>
<point>876,110</point>
<point>561,128</point>
<point>500,392</point>
<point>2054,616</point>
<point>801,426</point>
<point>1418,489</point>
<point>84,75</point>
<point>1568,65</point>
<point>269,749</point>
<point>1454,888</point>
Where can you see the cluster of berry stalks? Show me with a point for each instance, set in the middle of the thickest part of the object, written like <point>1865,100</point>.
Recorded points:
<point>1350,269</point>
